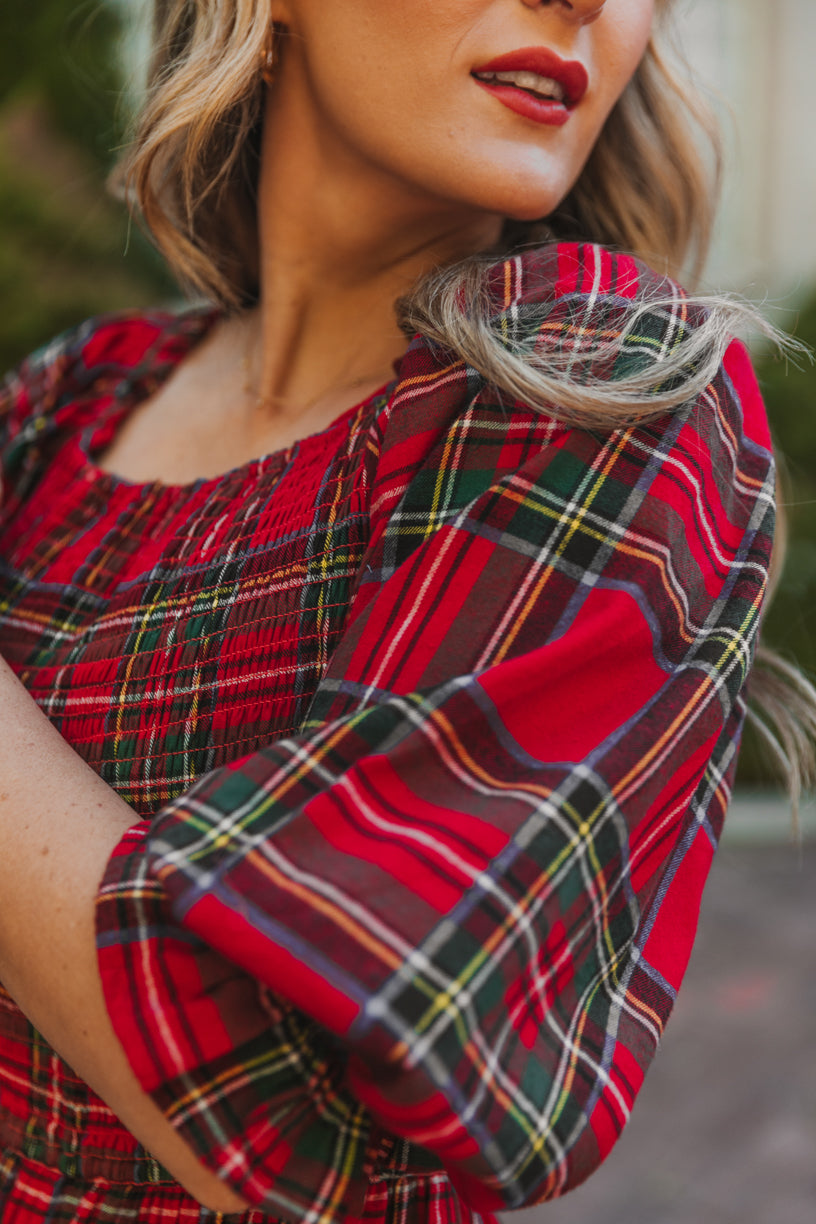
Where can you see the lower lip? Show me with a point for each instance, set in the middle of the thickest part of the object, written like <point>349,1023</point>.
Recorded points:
<point>540,110</point>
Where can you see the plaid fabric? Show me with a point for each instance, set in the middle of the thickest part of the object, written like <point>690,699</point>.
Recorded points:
<point>456,905</point>
<point>164,630</point>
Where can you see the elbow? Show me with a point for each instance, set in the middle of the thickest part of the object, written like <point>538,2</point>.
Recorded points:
<point>173,1151</point>
<point>221,1200</point>
<point>208,1189</point>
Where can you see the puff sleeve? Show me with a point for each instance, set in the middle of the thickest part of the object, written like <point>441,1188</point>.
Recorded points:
<point>475,875</point>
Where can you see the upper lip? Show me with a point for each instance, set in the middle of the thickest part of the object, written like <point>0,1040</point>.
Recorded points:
<point>570,74</point>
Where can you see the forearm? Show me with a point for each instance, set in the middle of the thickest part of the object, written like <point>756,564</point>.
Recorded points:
<point>58,826</point>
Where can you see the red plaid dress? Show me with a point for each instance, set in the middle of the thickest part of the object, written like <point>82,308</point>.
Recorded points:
<point>431,722</point>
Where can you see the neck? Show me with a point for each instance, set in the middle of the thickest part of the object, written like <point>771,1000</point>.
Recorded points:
<point>340,241</point>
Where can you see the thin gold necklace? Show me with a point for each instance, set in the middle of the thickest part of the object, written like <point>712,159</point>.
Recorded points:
<point>276,402</point>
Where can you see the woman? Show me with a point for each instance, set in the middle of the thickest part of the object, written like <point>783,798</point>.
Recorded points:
<point>431,713</point>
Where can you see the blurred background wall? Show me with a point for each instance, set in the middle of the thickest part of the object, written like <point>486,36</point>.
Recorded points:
<point>757,57</point>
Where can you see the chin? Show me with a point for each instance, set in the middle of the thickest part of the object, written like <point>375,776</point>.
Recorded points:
<point>520,196</point>
<point>534,213</point>
<point>527,209</point>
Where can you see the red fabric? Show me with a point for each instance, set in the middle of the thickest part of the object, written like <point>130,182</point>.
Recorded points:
<point>434,719</point>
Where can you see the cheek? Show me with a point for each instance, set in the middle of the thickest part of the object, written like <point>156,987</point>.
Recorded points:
<point>626,38</point>
<point>364,54</point>
<point>619,50</point>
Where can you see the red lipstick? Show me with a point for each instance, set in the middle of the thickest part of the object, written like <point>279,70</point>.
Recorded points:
<point>570,75</point>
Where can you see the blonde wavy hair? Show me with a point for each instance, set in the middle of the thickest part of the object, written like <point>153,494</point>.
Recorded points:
<point>649,187</point>
<point>193,166</point>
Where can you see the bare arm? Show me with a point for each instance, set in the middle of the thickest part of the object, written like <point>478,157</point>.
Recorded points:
<point>59,824</point>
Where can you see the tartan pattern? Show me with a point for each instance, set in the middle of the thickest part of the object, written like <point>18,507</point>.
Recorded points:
<point>163,630</point>
<point>465,890</point>
<point>196,618</point>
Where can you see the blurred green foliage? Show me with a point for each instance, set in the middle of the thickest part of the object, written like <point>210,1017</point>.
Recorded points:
<point>64,54</point>
<point>789,391</point>
<point>66,249</point>
<point>63,244</point>
<point>790,395</point>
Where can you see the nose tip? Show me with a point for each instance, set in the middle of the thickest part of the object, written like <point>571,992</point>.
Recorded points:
<point>581,10</point>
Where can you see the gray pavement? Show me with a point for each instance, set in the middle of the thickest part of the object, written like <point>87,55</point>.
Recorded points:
<point>724,1131</point>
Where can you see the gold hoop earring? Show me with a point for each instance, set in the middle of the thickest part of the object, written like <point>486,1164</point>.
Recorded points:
<point>268,66</point>
<point>268,56</point>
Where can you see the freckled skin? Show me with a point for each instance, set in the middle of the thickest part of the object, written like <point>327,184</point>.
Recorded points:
<point>390,88</point>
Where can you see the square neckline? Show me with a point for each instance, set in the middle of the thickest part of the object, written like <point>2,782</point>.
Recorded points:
<point>188,329</point>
